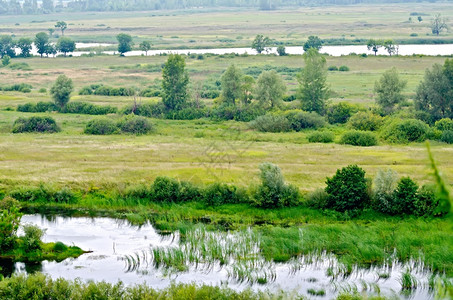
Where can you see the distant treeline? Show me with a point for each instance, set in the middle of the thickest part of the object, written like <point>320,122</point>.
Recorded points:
<point>49,6</point>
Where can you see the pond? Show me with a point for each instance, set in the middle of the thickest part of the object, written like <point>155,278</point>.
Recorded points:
<point>121,251</point>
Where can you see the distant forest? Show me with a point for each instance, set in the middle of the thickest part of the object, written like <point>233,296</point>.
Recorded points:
<point>49,6</point>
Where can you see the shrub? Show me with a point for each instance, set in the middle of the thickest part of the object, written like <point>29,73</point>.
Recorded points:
<point>245,113</point>
<point>317,199</point>
<point>365,121</point>
<point>99,89</point>
<point>22,87</point>
<point>383,186</point>
<point>273,192</point>
<point>44,194</point>
<point>218,194</point>
<point>321,137</point>
<point>340,113</point>
<point>271,123</point>
<point>60,247</point>
<point>151,110</point>
<point>165,190</point>
<point>343,69</point>
<point>404,131</point>
<point>447,137</point>
<point>38,107</point>
<point>9,223</point>
<point>404,197</point>
<point>347,189</point>
<point>444,124</point>
<point>332,68</point>
<point>100,126</point>
<point>135,125</point>
<point>426,202</point>
<point>88,109</point>
<point>302,120</point>
<point>359,138</point>
<point>35,124</point>
<point>188,113</point>
<point>32,237</point>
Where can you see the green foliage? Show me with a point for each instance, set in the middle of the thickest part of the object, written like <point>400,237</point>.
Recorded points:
<point>102,90</point>
<point>447,137</point>
<point>374,45</point>
<point>101,126</point>
<point>383,186</point>
<point>9,223</point>
<point>6,60</point>
<point>270,89</point>
<point>332,68</point>
<point>389,90</point>
<point>217,194</point>
<point>25,46</point>
<point>231,84</point>
<point>32,237</point>
<point>65,45</point>
<point>317,199</point>
<point>61,91</point>
<point>60,247</point>
<point>404,131</point>
<point>321,137</point>
<point>271,123</point>
<point>273,191</point>
<point>60,24</point>
<point>38,107</point>
<point>343,69</point>
<point>347,189</point>
<point>19,87</point>
<point>42,42</point>
<point>426,202</point>
<point>135,125</point>
<point>261,43</point>
<point>366,121</point>
<point>165,190</point>
<point>88,108</point>
<point>444,124</point>
<point>313,89</point>
<point>281,50</point>
<point>404,197</point>
<point>238,113</point>
<point>35,124</point>
<point>359,138</point>
<point>442,189</point>
<point>340,113</point>
<point>6,46</point>
<point>124,43</point>
<point>175,81</point>
<point>151,110</point>
<point>313,42</point>
<point>145,46</point>
<point>304,120</point>
<point>43,194</point>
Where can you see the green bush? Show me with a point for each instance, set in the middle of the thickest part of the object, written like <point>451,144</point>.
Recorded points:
<point>18,87</point>
<point>100,126</point>
<point>151,110</point>
<point>303,120</point>
<point>188,113</point>
<point>383,187</point>
<point>273,192</point>
<point>366,121</point>
<point>332,68</point>
<point>9,223</point>
<point>60,247</point>
<point>32,237</point>
<point>99,89</point>
<point>167,190</point>
<point>426,202</point>
<point>218,194</point>
<point>347,189</point>
<point>238,113</point>
<point>343,69</point>
<point>321,137</point>
<point>340,113</point>
<point>38,107</point>
<point>271,123</point>
<point>444,124</point>
<point>88,108</point>
<point>317,199</point>
<point>447,137</point>
<point>135,125</point>
<point>35,124</point>
<point>359,138</point>
<point>43,194</point>
<point>404,197</point>
<point>405,131</point>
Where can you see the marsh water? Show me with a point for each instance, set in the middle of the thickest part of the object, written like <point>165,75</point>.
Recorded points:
<point>422,49</point>
<point>112,240</point>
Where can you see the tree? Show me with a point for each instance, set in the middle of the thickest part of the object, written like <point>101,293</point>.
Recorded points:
<point>145,46</point>
<point>247,88</point>
<point>42,42</point>
<point>313,90</point>
<point>270,89</point>
<point>347,189</point>
<point>6,46</point>
<point>435,93</point>
<point>388,89</point>
<point>61,91</point>
<point>124,43</point>
<point>261,43</point>
<point>65,45</point>
<point>25,47</point>
<point>6,60</point>
<point>51,50</point>
<point>390,47</point>
<point>9,223</point>
<point>374,45</point>
<point>231,84</point>
<point>62,25</point>
<point>313,42</point>
<point>438,24</point>
<point>51,31</point>
<point>419,18</point>
<point>174,83</point>
<point>281,50</point>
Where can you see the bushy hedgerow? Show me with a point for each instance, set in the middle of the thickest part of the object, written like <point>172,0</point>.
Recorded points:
<point>340,113</point>
<point>99,89</point>
<point>271,123</point>
<point>101,126</point>
<point>404,131</point>
<point>359,138</point>
<point>347,189</point>
<point>19,87</point>
<point>38,107</point>
<point>188,113</point>
<point>273,191</point>
<point>35,124</point>
<point>43,194</point>
<point>299,120</point>
<point>88,109</point>
<point>218,194</point>
<point>147,109</point>
<point>321,137</point>
<point>135,125</point>
<point>366,121</point>
<point>244,113</point>
<point>170,190</point>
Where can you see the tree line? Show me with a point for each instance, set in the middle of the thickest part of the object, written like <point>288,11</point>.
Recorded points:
<point>48,6</point>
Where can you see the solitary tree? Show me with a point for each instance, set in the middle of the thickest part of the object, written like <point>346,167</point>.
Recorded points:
<point>313,90</point>
<point>6,46</point>
<point>435,93</point>
<point>438,24</point>
<point>261,43</point>
<point>145,46</point>
<point>374,45</point>
<point>388,89</point>
<point>231,84</point>
<point>65,45</point>
<point>281,50</point>
<point>270,89</point>
<point>61,91</point>
<point>24,45</point>
<point>42,42</point>
<point>124,43</point>
<point>62,25</point>
<point>313,42</point>
<point>174,83</point>
<point>390,47</point>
